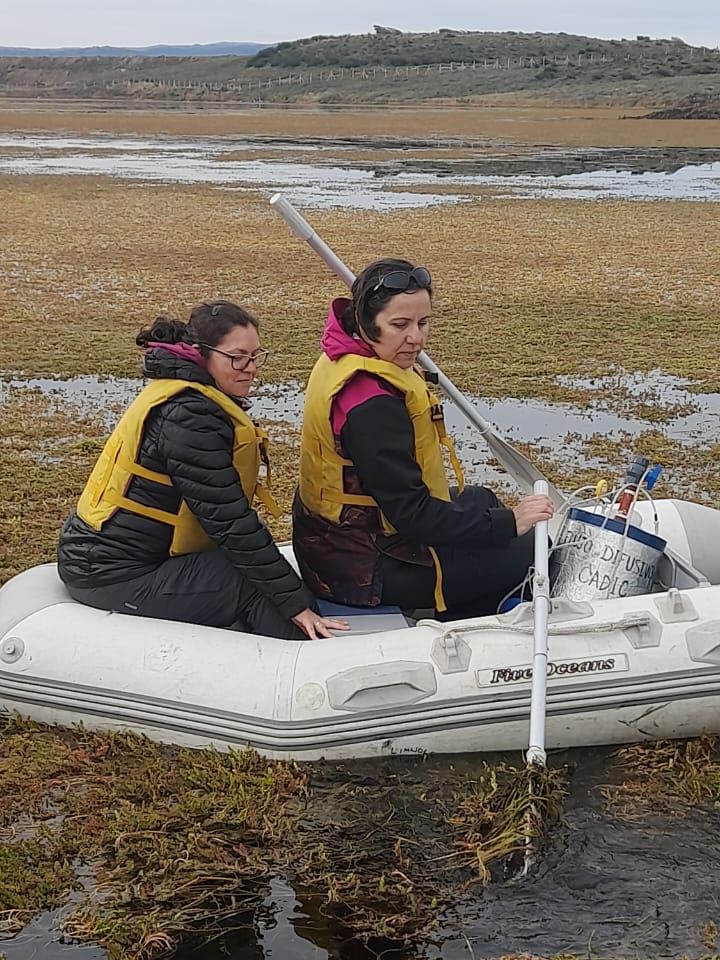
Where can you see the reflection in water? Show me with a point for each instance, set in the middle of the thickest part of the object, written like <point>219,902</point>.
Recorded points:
<point>606,887</point>
<point>42,940</point>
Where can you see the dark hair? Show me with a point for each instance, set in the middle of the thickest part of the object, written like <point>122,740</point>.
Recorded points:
<point>208,323</point>
<point>367,302</point>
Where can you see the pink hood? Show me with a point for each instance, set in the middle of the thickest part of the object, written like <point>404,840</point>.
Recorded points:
<point>363,386</point>
<point>185,351</point>
<point>334,341</point>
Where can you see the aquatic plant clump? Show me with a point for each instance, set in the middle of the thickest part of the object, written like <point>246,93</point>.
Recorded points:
<point>667,777</point>
<point>399,845</point>
<point>505,808</point>
<point>182,843</point>
<point>178,840</point>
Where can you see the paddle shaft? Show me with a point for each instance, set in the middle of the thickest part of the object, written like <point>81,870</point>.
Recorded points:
<point>541,609</point>
<point>518,466</point>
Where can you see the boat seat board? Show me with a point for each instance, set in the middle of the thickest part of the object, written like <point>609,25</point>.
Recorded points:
<point>365,619</point>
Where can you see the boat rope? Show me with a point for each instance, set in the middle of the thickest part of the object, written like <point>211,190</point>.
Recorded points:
<point>554,629</point>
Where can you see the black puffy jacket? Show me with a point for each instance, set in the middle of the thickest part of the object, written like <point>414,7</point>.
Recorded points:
<point>189,438</point>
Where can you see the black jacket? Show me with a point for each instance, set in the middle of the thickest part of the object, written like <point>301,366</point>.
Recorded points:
<point>353,562</point>
<point>387,469</point>
<point>190,438</point>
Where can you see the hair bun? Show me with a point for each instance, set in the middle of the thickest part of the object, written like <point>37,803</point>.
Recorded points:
<point>164,330</point>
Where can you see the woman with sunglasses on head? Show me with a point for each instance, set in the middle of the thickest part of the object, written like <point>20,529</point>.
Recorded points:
<point>374,517</point>
<point>165,526</point>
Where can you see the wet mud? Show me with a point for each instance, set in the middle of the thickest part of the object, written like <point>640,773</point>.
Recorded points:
<point>558,162</point>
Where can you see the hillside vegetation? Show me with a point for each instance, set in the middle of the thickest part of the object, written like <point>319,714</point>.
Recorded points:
<point>407,49</point>
<point>389,66</point>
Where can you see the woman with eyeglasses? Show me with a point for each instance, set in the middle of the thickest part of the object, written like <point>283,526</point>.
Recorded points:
<point>375,520</point>
<point>165,526</point>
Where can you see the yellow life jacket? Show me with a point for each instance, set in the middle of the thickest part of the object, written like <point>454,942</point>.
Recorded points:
<point>321,465</point>
<point>107,486</point>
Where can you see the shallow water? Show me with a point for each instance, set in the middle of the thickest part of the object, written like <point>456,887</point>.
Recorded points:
<point>591,895</point>
<point>357,186</point>
<point>605,887</point>
<point>203,161</point>
<point>557,429</point>
<point>697,183</point>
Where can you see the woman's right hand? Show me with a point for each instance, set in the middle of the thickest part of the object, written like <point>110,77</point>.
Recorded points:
<point>314,626</point>
<point>532,510</point>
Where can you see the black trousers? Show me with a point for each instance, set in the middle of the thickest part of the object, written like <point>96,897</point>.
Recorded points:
<point>202,588</point>
<point>475,578</point>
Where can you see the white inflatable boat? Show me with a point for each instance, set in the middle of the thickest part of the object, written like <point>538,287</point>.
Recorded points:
<point>620,670</point>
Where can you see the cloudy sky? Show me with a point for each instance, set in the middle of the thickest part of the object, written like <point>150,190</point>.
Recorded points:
<point>55,23</point>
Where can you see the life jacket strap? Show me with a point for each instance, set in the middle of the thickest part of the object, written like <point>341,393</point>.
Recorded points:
<point>125,503</point>
<point>348,499</point>
<point>267,500</point>
<point>137,470</point>
<point>440,604</point>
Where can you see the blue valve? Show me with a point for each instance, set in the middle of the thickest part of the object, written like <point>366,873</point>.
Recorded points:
<point>652,476</point>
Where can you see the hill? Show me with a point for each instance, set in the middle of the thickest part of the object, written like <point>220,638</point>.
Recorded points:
<point>390,67</point>
<point>161,50</point>
<point>394,48</point>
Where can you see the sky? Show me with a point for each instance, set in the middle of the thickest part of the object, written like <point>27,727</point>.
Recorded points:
<point>136,23</point>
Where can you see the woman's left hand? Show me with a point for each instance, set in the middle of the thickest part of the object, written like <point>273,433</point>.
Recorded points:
<point>314,626</point>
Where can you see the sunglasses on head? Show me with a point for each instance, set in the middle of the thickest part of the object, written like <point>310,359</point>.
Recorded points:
<point>400,280</point>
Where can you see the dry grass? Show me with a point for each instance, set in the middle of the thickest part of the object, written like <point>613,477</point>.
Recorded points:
<point>502,119</point>
<point>525,289</point>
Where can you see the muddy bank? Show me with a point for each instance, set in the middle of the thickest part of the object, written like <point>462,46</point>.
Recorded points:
<point>555,162</point>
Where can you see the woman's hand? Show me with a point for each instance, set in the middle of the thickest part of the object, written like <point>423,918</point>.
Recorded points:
<point>314,626</point>
<point>532,510</point>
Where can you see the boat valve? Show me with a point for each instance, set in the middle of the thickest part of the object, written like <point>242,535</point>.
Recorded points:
<point>11,650</point>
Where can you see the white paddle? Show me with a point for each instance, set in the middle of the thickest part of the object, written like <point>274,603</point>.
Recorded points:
<point>518,466</point>
<point>536,756</point>
<point>541,609</point>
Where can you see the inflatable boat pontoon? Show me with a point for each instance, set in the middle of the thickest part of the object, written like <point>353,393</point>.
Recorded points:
<point>620,670</point>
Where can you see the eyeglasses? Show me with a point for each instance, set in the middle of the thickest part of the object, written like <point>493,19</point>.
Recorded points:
<point>400,280</point>
<point>241,361</point>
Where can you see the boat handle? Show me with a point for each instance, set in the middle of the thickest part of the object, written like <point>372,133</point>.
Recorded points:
<point>381,685</point>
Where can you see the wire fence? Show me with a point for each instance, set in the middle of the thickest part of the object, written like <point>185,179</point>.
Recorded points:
<point>330,75</point>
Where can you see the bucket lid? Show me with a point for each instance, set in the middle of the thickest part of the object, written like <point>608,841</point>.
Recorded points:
<point>618,526</point>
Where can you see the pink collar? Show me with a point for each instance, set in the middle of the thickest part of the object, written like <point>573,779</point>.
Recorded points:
<point>185,351</point>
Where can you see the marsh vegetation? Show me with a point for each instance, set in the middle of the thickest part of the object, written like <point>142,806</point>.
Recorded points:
<point>535,299</point>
